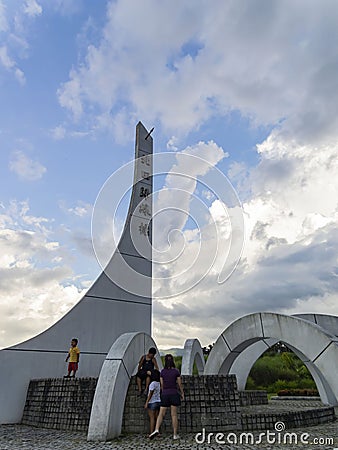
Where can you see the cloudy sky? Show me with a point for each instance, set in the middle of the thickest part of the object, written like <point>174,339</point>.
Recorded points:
<point>251,86</point>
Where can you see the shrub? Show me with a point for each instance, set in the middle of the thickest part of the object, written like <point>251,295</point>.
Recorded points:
<point>269,369</point>
<point>250,384</point>
<point>298,392</point>
<point>275,372</point>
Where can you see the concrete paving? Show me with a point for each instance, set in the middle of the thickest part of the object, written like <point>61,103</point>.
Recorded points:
<point>15,437</point>
<point>28,438</point>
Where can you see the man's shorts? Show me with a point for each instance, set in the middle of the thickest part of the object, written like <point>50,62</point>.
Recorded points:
<point>73,366</point>
<point>155,406</point>
<point>170,400</point>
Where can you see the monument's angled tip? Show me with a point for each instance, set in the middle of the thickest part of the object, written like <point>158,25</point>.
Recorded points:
<point>142,134</point>
<point>148,135</point>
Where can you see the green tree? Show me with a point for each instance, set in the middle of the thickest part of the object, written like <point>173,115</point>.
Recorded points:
<point>279,370</point>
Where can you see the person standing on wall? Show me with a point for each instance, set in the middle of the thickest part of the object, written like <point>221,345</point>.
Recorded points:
<point>74,358</point>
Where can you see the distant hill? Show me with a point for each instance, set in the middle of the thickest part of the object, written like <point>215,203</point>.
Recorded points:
<point>176,351</point>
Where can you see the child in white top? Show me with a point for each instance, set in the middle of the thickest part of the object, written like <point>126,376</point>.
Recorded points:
<point>153,401</point>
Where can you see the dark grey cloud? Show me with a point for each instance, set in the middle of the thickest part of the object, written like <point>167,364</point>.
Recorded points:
<point>285,277</point>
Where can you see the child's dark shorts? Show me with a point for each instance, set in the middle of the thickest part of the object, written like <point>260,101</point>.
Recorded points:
<point>155,406</point>
<point>73,366</point>
<point>170,400</point>
<point>142,373</point>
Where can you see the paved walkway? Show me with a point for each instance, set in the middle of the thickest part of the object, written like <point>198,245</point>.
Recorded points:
<point>21,437</point>
<point>283,406</point>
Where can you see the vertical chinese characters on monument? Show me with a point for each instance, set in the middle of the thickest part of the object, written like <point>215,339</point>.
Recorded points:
<point>141,220</point>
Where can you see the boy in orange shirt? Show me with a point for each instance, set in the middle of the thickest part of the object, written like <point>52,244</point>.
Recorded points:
<point>74,357</point>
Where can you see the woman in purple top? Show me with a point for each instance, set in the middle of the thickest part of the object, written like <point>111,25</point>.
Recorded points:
<point>170,379</point>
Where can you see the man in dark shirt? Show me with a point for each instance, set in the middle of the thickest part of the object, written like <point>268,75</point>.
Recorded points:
<point>146,366</point>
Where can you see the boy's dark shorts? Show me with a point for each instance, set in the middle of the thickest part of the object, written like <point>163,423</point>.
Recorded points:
<point>73,366</point>
<point>170,400</point>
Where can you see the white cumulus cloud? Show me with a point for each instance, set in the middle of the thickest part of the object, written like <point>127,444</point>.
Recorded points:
<point>37,285</point>
<point>3,19</point>
<point>26,168</point>
<point>32,8</point>
<point>234,56</point>
<point>289,262</point>
<point>5,59</point>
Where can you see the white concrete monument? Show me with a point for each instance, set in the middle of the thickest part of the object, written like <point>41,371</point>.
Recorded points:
<point>107,310</point>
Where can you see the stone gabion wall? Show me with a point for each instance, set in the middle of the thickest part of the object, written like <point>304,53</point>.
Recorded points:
<point>63,404</point>
<point>210,401</point>
<point>248,398</point>
<point>292,419</point>
<point>135,417</point>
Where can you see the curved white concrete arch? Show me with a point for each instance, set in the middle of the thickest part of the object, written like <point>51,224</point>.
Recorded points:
<point>112,386</point>
<point>326,321</point>
<point>192,353</point>
<point>244,362</point>
<point>317,348</point>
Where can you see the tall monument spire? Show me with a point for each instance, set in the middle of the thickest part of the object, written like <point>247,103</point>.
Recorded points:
<point>119,301</point>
